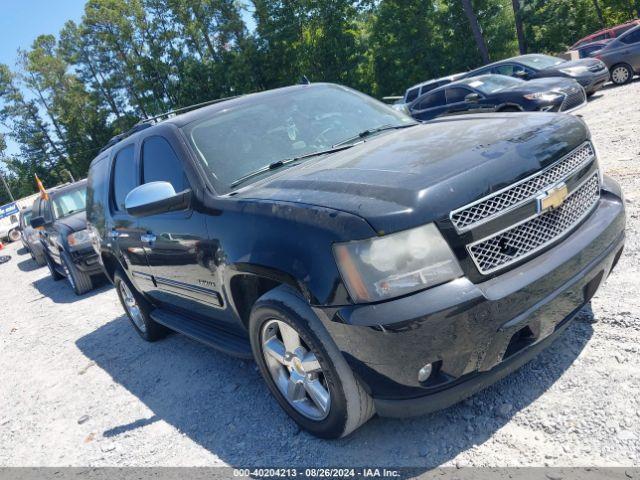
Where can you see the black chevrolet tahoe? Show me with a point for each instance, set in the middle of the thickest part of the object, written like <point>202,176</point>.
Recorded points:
<point>61,220</point>
<point>369,264</point>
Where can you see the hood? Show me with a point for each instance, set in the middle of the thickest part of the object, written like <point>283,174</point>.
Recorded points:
<point>409,177</point>
<point>74,222</point>
<point>544,85</point>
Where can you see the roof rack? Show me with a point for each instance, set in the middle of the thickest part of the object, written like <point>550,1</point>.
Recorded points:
<point>172,113</point>
<point>148,122</point>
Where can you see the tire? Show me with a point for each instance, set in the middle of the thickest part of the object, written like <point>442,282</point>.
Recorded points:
<point>80,282</point>
<point>14,235</point>
<point>348,406</point>
<point>147,328</point>
<point>621,74</point>
<point>38,258</point>
<point>52,269</point>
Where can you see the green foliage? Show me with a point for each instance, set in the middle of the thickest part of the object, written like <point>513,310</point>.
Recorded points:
<point>131,59</point>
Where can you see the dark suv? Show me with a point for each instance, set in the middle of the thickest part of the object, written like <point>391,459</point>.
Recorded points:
<point>369,263</point>
<point>61,219</point>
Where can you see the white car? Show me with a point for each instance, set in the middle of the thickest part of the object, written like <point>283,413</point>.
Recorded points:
<point>9,223</point>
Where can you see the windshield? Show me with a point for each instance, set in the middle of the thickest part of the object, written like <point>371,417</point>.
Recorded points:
<point>494,83</point>
<point>69,202</point>
<point>540,62</point>
<point>277,127</point>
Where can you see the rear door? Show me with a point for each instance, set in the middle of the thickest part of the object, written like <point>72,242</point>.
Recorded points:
<point>456,103</point>
<point>429,106</point>
<point>177,243</point>
<point>122,230</point>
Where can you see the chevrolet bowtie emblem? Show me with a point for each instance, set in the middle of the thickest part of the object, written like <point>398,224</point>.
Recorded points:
<point>552,198</point>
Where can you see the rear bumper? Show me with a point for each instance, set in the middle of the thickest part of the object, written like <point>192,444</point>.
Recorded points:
<point>474,334</point>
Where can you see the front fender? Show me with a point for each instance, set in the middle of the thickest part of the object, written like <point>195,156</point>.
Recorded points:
<point>286,242</point>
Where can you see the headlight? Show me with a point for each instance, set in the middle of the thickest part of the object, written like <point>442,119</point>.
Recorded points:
<point>544,96</point>
<point>396,264</point>
<point>78,239</point>
<point>573,70</point>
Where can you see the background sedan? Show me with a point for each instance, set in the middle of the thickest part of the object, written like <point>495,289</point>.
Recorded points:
<point>499,93</point>
<point>591,73</point>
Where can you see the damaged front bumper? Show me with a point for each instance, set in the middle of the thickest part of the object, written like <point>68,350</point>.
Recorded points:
<point>474,334</point>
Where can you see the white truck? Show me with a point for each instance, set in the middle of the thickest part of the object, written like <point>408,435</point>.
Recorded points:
<point>9,217</point>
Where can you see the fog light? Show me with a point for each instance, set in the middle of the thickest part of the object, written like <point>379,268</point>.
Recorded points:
<point>425,372</point>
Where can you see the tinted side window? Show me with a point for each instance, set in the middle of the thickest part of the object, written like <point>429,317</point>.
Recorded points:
<point>632,37</point>
<point>35,208</point>
<point>431,100</point>
<point>45,210</point>
<point>456,95</point>
<point>621,30</point>
<point>602,36</point>
<point>125,177</point>
<point>504,70</point>
<point>484,71</point>
<point>412,94</point>
<point>97,190</point>
<point>160,164</point>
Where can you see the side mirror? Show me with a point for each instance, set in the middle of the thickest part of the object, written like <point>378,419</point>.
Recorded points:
<point>521,74</point>
<point>155,197</point>
<point>472,98</point>
<point>37,222</point>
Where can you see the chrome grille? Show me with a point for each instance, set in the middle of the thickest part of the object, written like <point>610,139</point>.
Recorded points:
<point>483,210</point>
<point>524,239</point>
<point>573,100</point>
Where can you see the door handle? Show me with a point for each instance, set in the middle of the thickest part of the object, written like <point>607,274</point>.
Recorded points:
<point>148,238</point>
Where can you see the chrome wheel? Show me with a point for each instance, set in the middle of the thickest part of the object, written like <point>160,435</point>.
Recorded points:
<point>295,370</point>
<point>620,75</point>
<point>132,307</point>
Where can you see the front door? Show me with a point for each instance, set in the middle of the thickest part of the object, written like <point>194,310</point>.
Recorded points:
<point>176,243</point>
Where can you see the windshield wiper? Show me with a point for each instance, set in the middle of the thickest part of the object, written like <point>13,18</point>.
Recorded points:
<point>372,131</point>
<point>287,161</point>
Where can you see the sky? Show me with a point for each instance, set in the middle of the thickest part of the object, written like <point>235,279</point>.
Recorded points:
<point>22,21</point>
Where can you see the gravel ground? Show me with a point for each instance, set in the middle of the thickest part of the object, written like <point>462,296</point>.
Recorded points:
<point>78,387</point>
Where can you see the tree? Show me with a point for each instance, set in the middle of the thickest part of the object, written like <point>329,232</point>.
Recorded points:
<point>522,42</point>
<point>596,5</point>
<point>131,59</point>
<point>477,31</point>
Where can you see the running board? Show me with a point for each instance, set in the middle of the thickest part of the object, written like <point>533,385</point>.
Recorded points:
<point>203,331</point>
